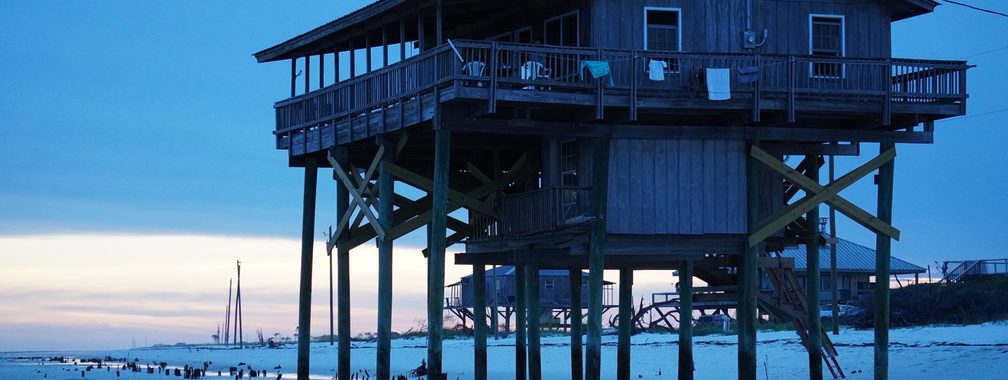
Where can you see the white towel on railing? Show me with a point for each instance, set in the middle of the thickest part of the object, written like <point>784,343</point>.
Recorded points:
<point>718,84</point>
<point>656,70</point>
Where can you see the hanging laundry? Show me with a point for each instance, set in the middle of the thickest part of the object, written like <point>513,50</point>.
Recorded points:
<point>718,84</point>
<point>656,70</point>
<point>748,74</point>
<point>597,69</point>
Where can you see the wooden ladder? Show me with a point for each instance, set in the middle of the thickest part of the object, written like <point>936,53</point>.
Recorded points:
<point>791,306</point>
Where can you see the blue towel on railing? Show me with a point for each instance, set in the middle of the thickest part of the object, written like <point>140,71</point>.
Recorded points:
<point>597,69</point>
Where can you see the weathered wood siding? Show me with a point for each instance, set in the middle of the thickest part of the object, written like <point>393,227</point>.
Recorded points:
<point>718,25</point>
<point>676,187</point>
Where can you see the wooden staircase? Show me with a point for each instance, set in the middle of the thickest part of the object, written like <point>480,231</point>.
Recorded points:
<point>788,303</point>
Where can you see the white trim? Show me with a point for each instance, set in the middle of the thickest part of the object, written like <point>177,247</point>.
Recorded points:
<point>679,26</point>
<point>577,17</point>
<point>843,42</point>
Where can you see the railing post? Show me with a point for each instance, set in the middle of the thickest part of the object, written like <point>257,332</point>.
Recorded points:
<point>494,62</point>
<point>756,93</point>
<point>887,103</point>
<point>791,89</point>
<point>634,67</point>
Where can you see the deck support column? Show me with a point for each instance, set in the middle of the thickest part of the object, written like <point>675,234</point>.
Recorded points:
<point>386,192</point>
<point>625,324</point>
<point>748,274</point>
<point>307,241</point>
<point>534,319</point>
<point>479,322</point>
<point>812,280</point>
<point>883,250</point>
<point>596,258</point>
<point>342,276</point>
<point>833,253</point>
<point>520,325</point>
<point>686,320</point>
<point>577,359</point>
<point>436,259</point>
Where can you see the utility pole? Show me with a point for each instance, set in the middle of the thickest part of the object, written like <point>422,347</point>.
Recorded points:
<point>238,337</point>
<point>227,315</point>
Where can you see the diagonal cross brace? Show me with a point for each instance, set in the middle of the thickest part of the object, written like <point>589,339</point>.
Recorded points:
<point>355,191</point>
<point>854,212</point>
<point>785,216</point>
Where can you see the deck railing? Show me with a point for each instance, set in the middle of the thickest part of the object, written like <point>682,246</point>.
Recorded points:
<point>958,270</point>
<point>540,210</point>
<point>496,66</point>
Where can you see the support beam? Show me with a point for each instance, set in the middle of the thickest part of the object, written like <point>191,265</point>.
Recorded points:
<point>307,242</point>
<point>812,283</point>
<point>534,320</point>
<point>625,324</point>
<point>883,250</point>
<point>577,352</point>
<point>833,254</point>
<point>686,320</point>
<point>479,322</point>
<point>596,258</point>
<point>520,326</point>
<point>748,274</point>
<point>343,369</point>
<point>436,260</point>
<point>386,191</point>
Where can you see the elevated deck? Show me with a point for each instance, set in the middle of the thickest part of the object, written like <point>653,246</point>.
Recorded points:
<point>487,78</point>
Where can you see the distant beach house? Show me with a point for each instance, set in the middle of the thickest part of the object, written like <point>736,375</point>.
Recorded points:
<point>855,266</point>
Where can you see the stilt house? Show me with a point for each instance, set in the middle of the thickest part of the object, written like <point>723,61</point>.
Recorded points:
<point>603,134</point>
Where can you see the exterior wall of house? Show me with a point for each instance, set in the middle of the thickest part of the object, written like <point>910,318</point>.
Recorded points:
<point>850,285</point>
<point>718,25</point>
<point>554,291</point>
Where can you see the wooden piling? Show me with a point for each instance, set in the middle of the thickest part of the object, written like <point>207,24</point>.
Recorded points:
<point>307,242</point>
<point>883,250</point>
<point>386,191</point>
<point>748,272</point>
<point>596,258</point>
<point>577,359</point>
<point>479,322</point>
<point>812,280</point>
<point>343,370</point>
<point>686,320</point>
<point>534,319</point>
<point>625,324</point>
<point>520,325</point>
<point>436,259</point>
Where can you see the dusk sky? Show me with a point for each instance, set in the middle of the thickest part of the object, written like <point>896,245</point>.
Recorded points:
<point>138,165</point>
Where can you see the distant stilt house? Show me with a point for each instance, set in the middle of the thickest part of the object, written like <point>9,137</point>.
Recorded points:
<point>855,267</point>
<point>501,296</point>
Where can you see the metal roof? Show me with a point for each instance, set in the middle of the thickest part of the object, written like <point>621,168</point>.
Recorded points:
<point>851,257</point>
<point>312,41</point>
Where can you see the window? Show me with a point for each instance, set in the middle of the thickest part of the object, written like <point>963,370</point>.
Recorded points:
<point>562,30</point>
<point>548,284</point>
<point>826,39</point>
<point>825,282</point>
<point>661,29</point>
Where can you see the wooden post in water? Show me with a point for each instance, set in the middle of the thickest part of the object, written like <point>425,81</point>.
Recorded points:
<point>625,324</point>
<point>577,360</point>
<point>307,241</point>
<point>686,320</point>
<point>520,326</point>
<point>386,191</point>
<point>343,370</point>
<point>596,258</point>
<point>534,320</point>
<point>436,259</point>
<point>479,322</point>
<point>227,316</point>
<point>883,250</point>
<point>812,280</point>
<point>748,272</point>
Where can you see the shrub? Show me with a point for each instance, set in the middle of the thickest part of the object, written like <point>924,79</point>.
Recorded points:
<point>968,302</point>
